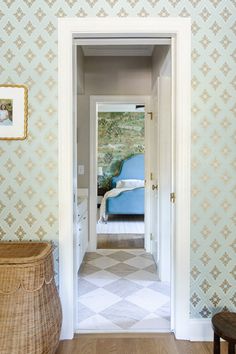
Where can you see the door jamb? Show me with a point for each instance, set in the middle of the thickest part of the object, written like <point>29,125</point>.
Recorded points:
<point>180,28</point>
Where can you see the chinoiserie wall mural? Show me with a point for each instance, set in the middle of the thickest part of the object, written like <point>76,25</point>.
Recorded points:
<point>29,169</point>
<point>120,135</point>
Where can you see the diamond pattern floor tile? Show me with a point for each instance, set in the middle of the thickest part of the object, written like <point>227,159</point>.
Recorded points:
<point>97,322</point>
<point>89,256</point>
<point>120,290</point>
<point>139,262</point>
<point>143,277</point>
<point>103,262</point>
<point>87,269</point>
<point>84,312</point>
<point>121,256</point>
<point>102,278</point>
<point>105,252</point>
<point>148,299</point>
<point>164,311</point>
<point>147,256</point>
<point>98,300</point>
<point>124,314</point>
<point>152,269</point>
<point>123,287</point>
<point>152,322</point>
<point>121,269</point>
<point>85,287</point>
<point>161,287</point>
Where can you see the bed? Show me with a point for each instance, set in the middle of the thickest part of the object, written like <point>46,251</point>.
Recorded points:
<point>127,193</point>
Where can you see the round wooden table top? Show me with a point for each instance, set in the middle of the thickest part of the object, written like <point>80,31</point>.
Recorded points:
<point>224,325</point>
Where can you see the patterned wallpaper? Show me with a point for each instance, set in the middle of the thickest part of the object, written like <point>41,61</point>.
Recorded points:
<point>120,135</point>
<point>28,176</point>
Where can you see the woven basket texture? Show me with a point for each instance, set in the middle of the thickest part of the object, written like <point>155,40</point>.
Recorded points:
<point>30,309</point>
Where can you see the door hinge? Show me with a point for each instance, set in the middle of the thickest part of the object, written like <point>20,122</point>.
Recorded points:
<point>151,115</point>
<point>151,176</point>
<point>155,187</point>
<point>172,197</point>
<point>151,237</point>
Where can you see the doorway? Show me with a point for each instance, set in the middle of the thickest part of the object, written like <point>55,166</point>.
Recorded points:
<point>179,28</point>
<point>123,157</point>
<point>120,164</point>
<point>126,74</point>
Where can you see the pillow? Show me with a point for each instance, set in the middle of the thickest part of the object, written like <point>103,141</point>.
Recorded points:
<point>130,183</point>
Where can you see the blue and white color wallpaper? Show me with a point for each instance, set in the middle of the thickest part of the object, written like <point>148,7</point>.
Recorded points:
<point>29,169</point>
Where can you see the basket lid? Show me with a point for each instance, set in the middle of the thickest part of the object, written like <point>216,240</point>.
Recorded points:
<point>23,252</point>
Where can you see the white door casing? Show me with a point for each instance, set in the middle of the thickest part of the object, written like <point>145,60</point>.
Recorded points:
<point>75,176</point>
<point>180,28</point>
<point>94,101</point>
<point>173,168</point>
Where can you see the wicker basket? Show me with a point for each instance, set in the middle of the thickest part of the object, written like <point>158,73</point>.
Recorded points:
<point>30,309</point>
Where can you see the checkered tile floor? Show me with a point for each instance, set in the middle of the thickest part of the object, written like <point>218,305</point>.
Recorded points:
<point>119,290</point>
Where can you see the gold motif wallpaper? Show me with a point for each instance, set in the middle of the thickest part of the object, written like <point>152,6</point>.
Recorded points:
<point>28,175</point>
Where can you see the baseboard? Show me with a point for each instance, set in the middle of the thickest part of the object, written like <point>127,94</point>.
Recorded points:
<point>200,330</point>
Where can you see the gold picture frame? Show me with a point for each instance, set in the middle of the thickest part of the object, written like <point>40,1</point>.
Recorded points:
<point>13,112</point>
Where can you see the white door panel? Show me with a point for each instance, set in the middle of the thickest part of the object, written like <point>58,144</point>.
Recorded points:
<point>158,178</point>
<point>151,166</point>
<point>164,176</point>
<point>154,180</point>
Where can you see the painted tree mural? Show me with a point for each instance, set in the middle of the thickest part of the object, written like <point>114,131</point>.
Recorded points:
<point>120,135</point>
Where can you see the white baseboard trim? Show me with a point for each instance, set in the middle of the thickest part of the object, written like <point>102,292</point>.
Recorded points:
<point>200,330</point>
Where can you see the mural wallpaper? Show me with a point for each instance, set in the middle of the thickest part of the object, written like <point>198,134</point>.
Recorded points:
<point>120,135</point>
<point>28,175</point>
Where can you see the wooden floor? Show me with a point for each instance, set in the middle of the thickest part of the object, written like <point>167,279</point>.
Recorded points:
<point>162,343</point>
<point>120,241</point>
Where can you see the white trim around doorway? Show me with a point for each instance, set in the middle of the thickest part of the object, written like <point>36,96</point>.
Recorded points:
<point>180,29</point>
<point>94,100</point>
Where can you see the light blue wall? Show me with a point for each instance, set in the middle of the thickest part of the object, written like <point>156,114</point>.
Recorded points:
<point>28,176</point>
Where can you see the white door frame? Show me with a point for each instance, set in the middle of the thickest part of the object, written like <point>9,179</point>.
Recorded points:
<point>94,100</point>
<point>180,28</point>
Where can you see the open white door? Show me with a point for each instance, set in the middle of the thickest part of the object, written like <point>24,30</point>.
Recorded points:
<point>151,167</point>
<point>164,176</point>
<point>159,173</point>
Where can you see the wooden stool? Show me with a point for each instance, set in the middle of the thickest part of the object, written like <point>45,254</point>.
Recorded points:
<point>224,326</point>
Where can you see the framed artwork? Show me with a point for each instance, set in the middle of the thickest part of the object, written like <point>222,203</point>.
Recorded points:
<point>13,112</point>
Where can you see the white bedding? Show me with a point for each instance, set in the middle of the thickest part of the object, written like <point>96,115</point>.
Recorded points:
<point>112,193</point>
